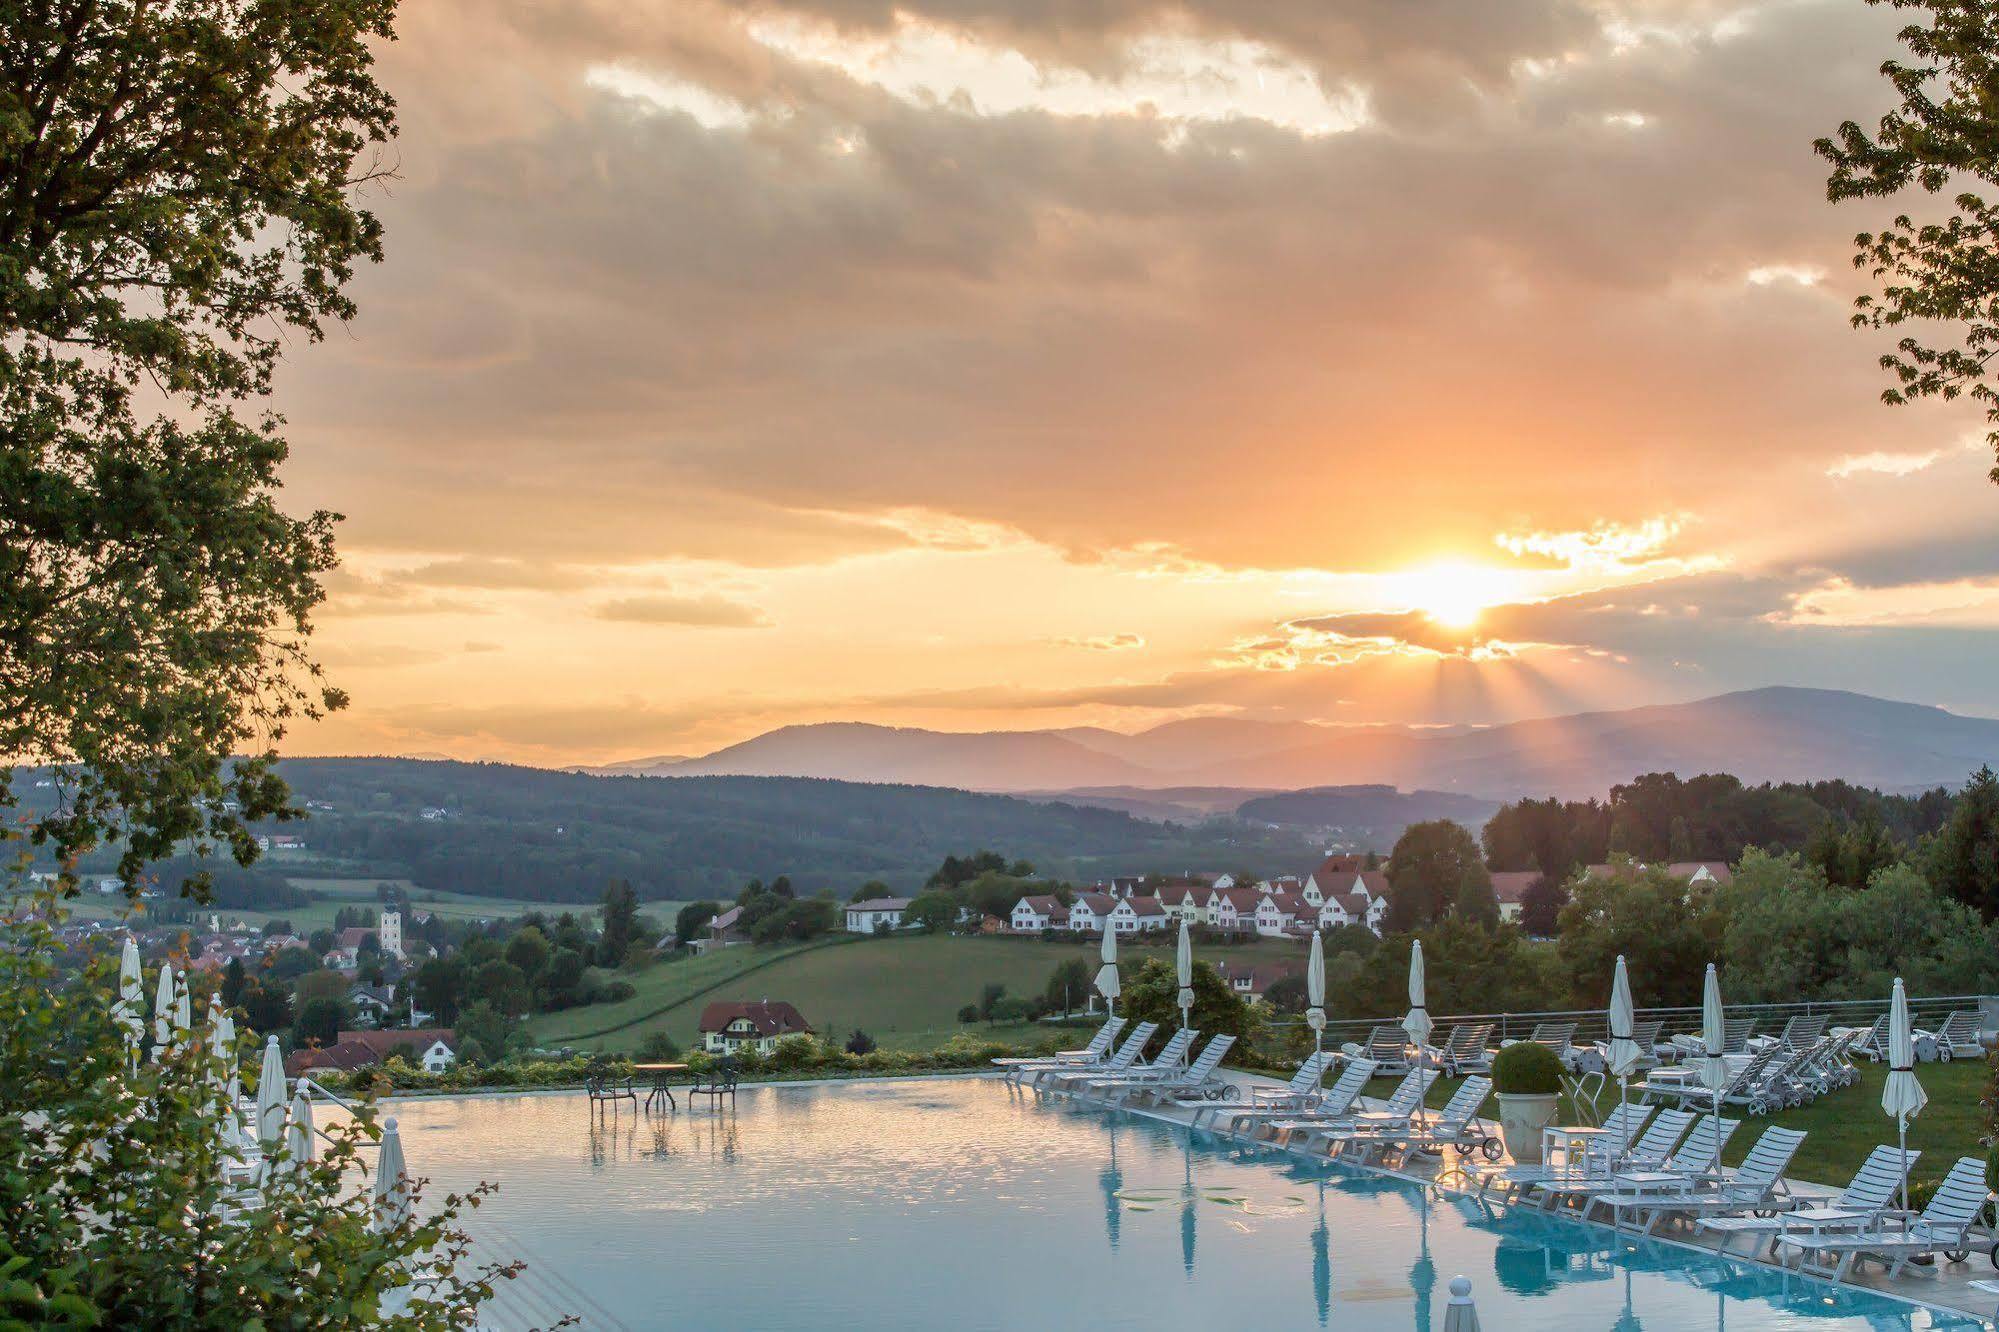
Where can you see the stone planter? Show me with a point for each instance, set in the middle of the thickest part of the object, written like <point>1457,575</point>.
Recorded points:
<point>1522,1116</point>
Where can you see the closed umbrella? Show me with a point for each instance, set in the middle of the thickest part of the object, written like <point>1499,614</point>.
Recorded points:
<point>224,1076</point>
<point>392,1186</point>
<point>1184,963</point>
<point>131,1007</point>
<point>1315,995</point>
<point>1417,1024</point>
<point>1624,1052</point>
<point>298,1138</point>
<point>1902,1096</point>
<point>1107,983</point>
<point>1461,1315</point>
<point>1714,1041</point>
<point>271,1097</point>
<point>163,1013</point>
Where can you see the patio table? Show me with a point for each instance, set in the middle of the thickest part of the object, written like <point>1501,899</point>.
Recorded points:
<point>662,1085</point>
<point>1559,1140</point>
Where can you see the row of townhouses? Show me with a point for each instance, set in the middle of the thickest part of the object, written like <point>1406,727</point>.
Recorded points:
<point>1341,891</point>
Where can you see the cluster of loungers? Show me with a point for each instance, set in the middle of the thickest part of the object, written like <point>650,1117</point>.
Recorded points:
<point>1638,1170</point>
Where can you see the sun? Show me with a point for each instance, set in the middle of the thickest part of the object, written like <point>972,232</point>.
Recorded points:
<point>1455,593</point>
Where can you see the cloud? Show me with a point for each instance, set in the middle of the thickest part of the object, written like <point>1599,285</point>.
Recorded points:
<point>1102,642</point>
<point>706,611</point>
<point>494,574</point>
<point>1885,464</point>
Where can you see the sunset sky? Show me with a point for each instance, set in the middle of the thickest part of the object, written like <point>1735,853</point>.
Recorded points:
<point>1044,362</point>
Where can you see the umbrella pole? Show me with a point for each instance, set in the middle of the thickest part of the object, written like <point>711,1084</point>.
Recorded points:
<point>1902,1141</point>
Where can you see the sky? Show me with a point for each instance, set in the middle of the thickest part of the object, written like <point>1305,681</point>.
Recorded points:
<point>1035,363</point>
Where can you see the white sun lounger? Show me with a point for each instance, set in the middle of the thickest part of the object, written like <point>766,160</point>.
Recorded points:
<point>1944,1227</point>
<point>1093,1053</point>
<point>1698,1155</point>
<point>1332,1103</point>
<point>1197,1084</point>
<point>1755,1185</point>
<point>1856,1207</point>
<point>1125,1057</point>
<point>1621,1127</point>
<point>1408,1094</point>
<point>1456,1125</point>
<point>1171,1058</point>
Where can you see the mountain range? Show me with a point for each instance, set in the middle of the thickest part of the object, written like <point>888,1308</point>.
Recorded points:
<point>1773,734</point>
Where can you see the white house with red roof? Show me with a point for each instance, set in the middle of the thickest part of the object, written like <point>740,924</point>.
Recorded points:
<point>1032,915</point>
<point>1276,913</point>
<point>1510,886</point>
<point>1234,909</point>
<point>1087,912</point>
<point>1138,915</point>
<point>1189,900</point>
<point>1362,900</point>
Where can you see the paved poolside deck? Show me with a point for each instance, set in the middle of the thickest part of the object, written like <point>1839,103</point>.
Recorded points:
<point>1945,1287</point>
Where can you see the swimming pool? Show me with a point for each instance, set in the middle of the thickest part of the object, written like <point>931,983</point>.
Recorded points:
<point>971,1205</point>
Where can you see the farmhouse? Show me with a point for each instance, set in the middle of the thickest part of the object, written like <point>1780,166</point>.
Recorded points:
<point>876,915</point>
<point>729,1025</point>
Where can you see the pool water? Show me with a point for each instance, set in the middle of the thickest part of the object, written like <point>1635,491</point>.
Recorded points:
<point>972,1205</point>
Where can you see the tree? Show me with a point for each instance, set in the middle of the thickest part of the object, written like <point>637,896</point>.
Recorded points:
<point>932,912</point>
<point>1964,857</point>
<point>1152,994</point>
<point>1435,866</point>
<point>563,984</point>
<point>659,1048</point>
<point>504,987</point>
<point>439,988</point>
<point>1541,907</point>
<point>1068,985</point>
<point>318,1020</point>
<point>529,951</point>
<point>1287,994</point>
<point>870,890</point>
<point>233,982</point>
<point>321,984</point>
<point>796,920</point>
<point>1666,929</point>
<point>177,205</point>
<point>267,1009</point>
<point>693,919</point>
<point>487,1025</point>
<point>621,919</point>
<point>860,1043</point>
<point>1943,136</point>
<point>989,997</point>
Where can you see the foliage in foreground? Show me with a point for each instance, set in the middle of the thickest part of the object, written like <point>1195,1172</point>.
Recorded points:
<point>112,1189</point>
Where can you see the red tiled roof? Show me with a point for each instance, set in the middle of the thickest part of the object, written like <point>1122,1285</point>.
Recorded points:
<point>1146,906</point>
<point>1335,866</point>
<point>1376,883</point>
<point>1099,903</point>
<point>1044,905</point>
<point>387,1039</point>
<point>353,936</point>
<point>1243,899</point>
<point>1512,885</point>
<point>769,1017</point>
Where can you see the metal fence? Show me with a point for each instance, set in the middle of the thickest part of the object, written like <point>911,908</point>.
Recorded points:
<point>1592,1023</point>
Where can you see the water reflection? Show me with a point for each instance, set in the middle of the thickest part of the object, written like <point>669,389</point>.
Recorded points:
<point>1322,1261</point>
<point>1111,1180</point>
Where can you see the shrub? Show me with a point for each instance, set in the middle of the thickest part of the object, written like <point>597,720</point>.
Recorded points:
<point>860,1043</point>
<point>1526,1068</point>
<point>793,1053</point>
<point>969,1013</point>
<point>659,1048</point>
<point>615,992</point>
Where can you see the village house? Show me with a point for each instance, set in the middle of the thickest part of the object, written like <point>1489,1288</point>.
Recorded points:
<point>1118,887</point>
<point>1032,915</point>
<point>372,1004</point>
<point>1509,887</point>
<point>435,1048</point>
<point>1333,877</point>
<point>1252,983</point>
<point>1087,912</point>
<point>1137,915</point>
<point>876,915</point>
<point>1188,900</point>
<point>1276,913</point>
<point>1700,873</point>
<point>1234,909</point>
<point>1364,902</point>
<point>725,931</point>
<point>728,1026</point>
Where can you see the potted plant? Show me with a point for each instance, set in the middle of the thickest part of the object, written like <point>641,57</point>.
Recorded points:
<point>1528,1078</point>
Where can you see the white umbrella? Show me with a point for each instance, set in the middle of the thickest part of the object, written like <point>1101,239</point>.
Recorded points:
<point>1184,962</point>
<point>1417,1024</point>
<point>1714,1041</point>
<point>271,1096</point>
<point>1315,995</point>
<point>298,1139</point>
<point>1460,1315</point>
<point>392,1189</point>
<point>1902,1096</point>
<point>1624,1052</point>
<point>163,1013</point>
<point>1107,983</point>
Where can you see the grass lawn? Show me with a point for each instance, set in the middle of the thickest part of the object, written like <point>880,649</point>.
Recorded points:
<point>905,990</point>
<point>1842,1128</point>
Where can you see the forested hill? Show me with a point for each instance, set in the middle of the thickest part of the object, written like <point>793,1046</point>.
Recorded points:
<point>557,836</point>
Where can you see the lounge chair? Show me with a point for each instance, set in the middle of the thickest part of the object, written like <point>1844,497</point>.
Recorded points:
<point>1171,1059</point>
<point>1557,1036</point>
<point>1464,1050</point>
<point>1595,1057</point>
<point>1302,1090</point>
<point>1743,1082</point>
<point>1652,1150</point>
<point>1621,1127</point>
<point>1386,1046</point>
<point>1855,1207</point>
<point>1408,1094</point>
<point>1958,1037</point>
<point>1755,1185</point>
<point>1697,1156</point>
<point>1735,1034</point>
<point>1197,1084</point>
<point>1944,1227</point>
<point>1333,1103</point>
<point>1454,1126</point>
<point>1094,1053</point>
<point>1830,1065</point>
<point>1873,1041</point>
<point>1123,1058</point>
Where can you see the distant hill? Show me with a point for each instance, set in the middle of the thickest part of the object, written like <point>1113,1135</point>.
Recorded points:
<point>531,833</point>
<point>1774,734</point>
<point>1366,815</point>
